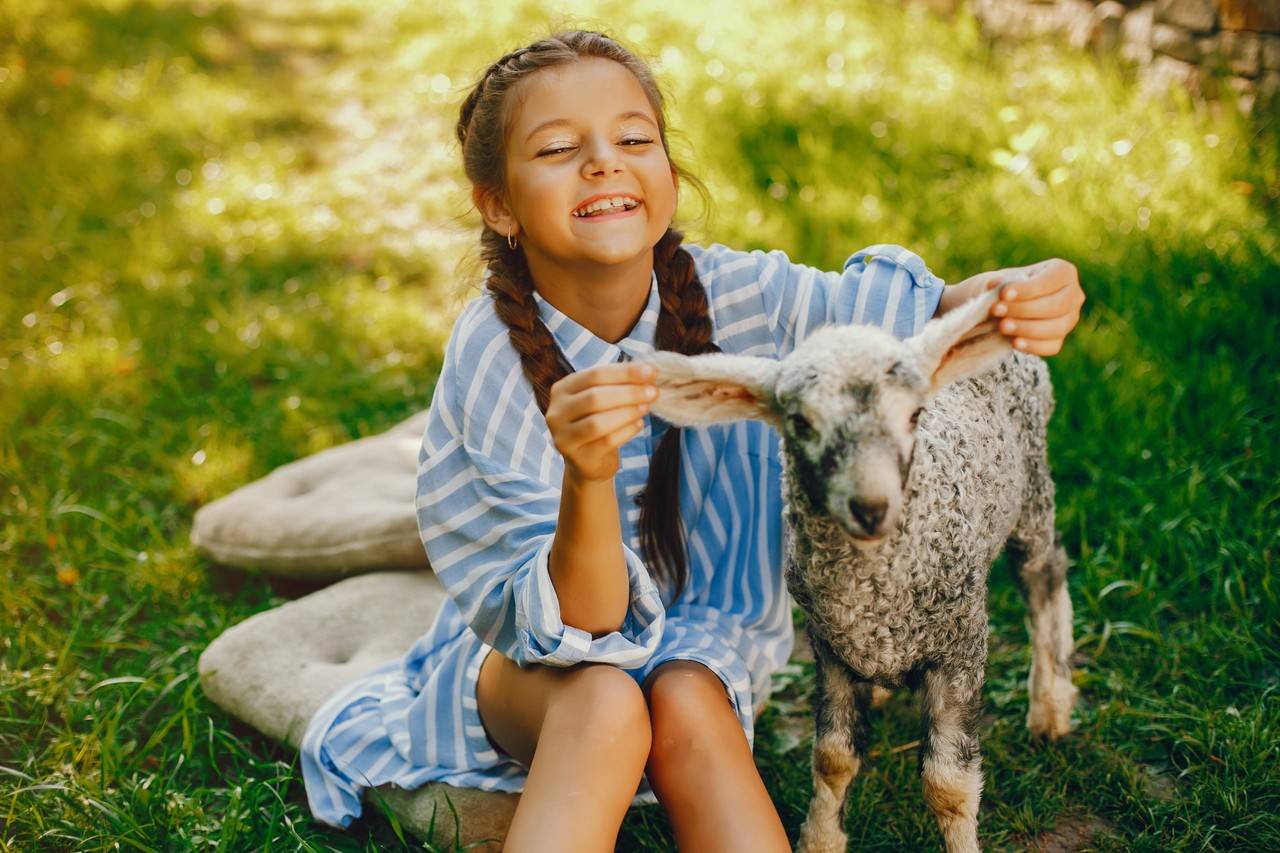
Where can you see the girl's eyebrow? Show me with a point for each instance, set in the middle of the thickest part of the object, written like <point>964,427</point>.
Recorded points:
<point>621,117</point>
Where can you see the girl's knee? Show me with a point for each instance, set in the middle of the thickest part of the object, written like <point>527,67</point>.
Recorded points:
<point>680,687</point>
<point>690,711</point>
<point>602,701</point>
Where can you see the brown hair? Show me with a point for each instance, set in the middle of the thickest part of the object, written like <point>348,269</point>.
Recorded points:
<point>684,324</point>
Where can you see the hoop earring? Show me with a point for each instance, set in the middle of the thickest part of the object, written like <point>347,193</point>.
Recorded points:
<point>511,240</point>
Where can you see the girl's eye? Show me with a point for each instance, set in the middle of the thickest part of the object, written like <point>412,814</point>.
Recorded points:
<point>570,147</point>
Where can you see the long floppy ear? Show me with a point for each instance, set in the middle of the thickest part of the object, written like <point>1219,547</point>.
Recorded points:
<point>714,388</point>
<point>961,343</point>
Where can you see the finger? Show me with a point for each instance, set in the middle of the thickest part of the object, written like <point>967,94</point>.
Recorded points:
<point>1038,330</point>
<point>988,280</point>
<point>624,434</point>
<point>606,374</point>
<point>597,426</point>
<point>1036,280</point>
<point>1038,347</point>
<point>604,398</point>
<point>1056,304</point>
<point>616,438</point>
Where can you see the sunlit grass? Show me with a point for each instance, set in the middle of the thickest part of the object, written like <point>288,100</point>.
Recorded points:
<point>232,234</point>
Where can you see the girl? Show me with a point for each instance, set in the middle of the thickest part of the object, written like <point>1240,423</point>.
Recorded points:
<point>616,596</point>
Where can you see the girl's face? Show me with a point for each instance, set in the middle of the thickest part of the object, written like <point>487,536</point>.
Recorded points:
<point>578,131</point>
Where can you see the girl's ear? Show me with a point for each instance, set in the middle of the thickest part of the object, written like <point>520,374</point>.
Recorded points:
<point>493,208</point>
<point>714,388</point>
<point>961,343</point>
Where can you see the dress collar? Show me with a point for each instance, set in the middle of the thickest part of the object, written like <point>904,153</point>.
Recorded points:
<point>583,349</point>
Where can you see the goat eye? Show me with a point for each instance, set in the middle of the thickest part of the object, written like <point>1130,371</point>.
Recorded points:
<point>800,426</point>
<point>915,417</point>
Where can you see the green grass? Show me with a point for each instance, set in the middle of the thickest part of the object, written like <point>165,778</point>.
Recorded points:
<point>232,234</point>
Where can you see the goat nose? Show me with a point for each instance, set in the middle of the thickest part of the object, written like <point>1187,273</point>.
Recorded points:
<point>869,514</point>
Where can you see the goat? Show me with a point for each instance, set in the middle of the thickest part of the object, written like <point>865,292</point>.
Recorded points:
<point>908,465</point>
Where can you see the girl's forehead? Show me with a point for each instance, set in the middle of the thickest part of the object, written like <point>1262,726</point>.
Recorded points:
<point>576,92</point>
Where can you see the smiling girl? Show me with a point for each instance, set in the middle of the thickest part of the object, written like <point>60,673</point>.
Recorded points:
<point>616,599</point>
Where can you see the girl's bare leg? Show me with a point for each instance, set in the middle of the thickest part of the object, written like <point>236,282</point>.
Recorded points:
<point>700,765</point>
<point>584,734</point>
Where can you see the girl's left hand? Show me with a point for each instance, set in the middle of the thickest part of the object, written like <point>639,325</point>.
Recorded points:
<point>1039,304</point>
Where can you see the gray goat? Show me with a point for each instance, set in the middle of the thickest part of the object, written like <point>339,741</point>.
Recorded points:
<point>907,467</point>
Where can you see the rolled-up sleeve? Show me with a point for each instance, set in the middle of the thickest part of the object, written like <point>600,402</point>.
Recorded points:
<point>546,638</point>
<point>882,285</point>
<point>487,530</point>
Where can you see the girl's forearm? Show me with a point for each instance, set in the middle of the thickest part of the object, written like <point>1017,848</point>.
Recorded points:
<point>587,564</point>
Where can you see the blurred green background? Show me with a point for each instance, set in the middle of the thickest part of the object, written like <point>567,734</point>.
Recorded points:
<point>234,233</point>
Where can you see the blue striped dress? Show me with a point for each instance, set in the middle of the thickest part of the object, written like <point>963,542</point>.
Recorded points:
<point>488,501</point>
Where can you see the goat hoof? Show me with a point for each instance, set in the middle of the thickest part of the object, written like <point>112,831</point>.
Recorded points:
<point>826,842</point>
<point>1050,713</point>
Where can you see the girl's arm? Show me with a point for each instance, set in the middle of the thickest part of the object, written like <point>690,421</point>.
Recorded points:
<point>882,285</point>
<point>587,563</point>
<point>489,521</point>
<point>1038,308</point>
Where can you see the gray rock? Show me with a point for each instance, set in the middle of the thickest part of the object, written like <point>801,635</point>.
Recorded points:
<point>1271,53</point>
<point>1105,26</point>
<point>1165,73</point>
<point>276,668</point>
<point>1269,88</point>
<point>1198,15</point>
<point>1175,42</point>
<point>1243,52</point>
<point>344,510</point>
<point>1075,18</point>
<point>1135,34</point>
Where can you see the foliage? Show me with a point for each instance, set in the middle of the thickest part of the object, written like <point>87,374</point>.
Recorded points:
<point>237,233</point>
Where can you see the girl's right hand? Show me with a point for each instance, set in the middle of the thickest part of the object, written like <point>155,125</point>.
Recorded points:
<point>593,412</point>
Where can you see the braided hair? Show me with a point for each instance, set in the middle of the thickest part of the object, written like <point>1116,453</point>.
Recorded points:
<point>684,324</point>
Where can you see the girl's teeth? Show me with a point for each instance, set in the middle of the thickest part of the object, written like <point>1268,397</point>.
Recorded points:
<point>606,205</point>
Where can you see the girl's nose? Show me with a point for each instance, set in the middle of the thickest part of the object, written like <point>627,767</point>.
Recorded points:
<point>602,156</point>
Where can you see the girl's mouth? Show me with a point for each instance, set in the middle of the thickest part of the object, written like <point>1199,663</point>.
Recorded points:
<point>614,214</point>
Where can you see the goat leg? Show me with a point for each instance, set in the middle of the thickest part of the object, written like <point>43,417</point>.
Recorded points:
<point>950,759</point>
<point>1041,569</point>
<point>842,704</point>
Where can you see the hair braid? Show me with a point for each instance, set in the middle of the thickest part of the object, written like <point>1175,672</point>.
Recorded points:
<point>684,326</point>
<point>511,286</point>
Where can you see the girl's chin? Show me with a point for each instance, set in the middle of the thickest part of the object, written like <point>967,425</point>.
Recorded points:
<point>615,254</point>
<point>621,242</point>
